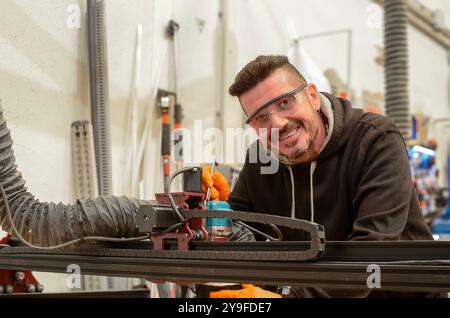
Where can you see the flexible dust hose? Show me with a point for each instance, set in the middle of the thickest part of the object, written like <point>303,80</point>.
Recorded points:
<point>49,224</point>
<point>396,64</point>
<point>54,225</point>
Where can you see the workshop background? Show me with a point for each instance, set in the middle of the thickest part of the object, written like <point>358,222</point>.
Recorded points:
<point>44,76</point>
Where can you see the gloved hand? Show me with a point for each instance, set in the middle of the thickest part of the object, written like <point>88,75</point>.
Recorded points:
<point>220,189</point>
<point>248,291</point>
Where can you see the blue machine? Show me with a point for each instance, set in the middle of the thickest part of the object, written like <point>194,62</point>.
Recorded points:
<point>441,226</point>
<point>423,169</point>
<point>219,228</point>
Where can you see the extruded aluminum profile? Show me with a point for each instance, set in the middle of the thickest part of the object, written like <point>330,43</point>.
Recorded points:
<point>98,74</point>
<point>404,266</point>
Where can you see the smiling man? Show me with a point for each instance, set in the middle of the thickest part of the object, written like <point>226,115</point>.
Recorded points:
<point>340,167</point>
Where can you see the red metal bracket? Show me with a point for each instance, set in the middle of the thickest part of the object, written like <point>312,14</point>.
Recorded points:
<point>185,234</point>
<point>12,281</point>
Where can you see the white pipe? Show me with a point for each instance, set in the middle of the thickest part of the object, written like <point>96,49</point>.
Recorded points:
<point>135,110</point>
<point>146,135</point>
<point>222,59</point>
<point>176,63</point>
<point>291,29</point>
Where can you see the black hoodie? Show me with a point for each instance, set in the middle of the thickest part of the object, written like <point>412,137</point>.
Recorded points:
<point>360,183</point>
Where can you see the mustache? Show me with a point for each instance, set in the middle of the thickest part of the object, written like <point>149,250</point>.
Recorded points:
<point>289,126</point>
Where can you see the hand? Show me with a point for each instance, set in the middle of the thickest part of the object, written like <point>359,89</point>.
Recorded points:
<point>220,189</point>
<point>248,291</point>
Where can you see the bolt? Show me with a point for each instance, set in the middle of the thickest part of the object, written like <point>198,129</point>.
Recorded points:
<point>31,288</point>
<point>9,289</point>
<point>39,288</point>
<point>19,276</point>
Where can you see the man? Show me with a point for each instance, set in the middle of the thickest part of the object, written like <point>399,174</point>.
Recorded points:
<point>339,167</point>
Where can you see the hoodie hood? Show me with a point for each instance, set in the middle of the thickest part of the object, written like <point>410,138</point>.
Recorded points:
<point>344,119</point>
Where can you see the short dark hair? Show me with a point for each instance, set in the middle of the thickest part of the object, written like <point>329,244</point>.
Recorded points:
<point>258,70</point>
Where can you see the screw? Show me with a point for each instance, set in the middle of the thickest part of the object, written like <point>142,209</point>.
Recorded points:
<point>19,276</point>
<point>9,289</point>
<point>39,288</point>
<point>31,288</point>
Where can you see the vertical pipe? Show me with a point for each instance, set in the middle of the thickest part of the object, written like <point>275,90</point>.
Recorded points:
<point>396,65</point>
<point>98,74</point>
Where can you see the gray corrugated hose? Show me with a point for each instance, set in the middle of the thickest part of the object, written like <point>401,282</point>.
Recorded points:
<point>396,64</point>
<point>47,224</point>
<point>50,224</point>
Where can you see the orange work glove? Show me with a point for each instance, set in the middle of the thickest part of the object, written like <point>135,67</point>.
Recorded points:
<point>220,189</point>
<point>248,291</point>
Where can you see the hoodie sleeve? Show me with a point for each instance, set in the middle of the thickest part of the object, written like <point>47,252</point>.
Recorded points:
<point>384,197</point>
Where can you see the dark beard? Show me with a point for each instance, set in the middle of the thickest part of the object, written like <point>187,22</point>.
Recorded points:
<point>300,152</point>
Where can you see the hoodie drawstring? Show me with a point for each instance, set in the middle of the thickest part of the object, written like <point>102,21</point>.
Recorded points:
<point>293,193</point>
<point>311,184</point>
<point>311,174</point>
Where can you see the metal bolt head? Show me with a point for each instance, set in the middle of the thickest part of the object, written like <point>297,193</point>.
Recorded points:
<point>9,289</point>
<point>39,288</point>
<point>19,276</point>
<point>31,288</point>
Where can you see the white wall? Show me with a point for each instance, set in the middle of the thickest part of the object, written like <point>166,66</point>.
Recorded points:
<point>44,80</point>
<point>43,90</point>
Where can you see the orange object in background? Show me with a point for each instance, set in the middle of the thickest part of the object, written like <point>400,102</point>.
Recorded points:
<point>432,143</point>
<point>220,189</point>
<point>247,291</point>
<point>343,95</point>
<point>373,109</point>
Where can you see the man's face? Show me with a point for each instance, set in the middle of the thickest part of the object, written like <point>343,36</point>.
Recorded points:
<point>298,127</point>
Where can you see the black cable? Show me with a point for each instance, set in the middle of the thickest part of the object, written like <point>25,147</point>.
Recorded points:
<point>182,219</point>
<point>167,189</point>
<point>267,236</point>
<point>78,240</point>
<point>172,227</point>
<point>278,231</point>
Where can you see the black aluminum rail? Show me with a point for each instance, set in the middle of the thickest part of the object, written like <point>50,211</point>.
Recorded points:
<point>133,293</point>
<point>404,266</point>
